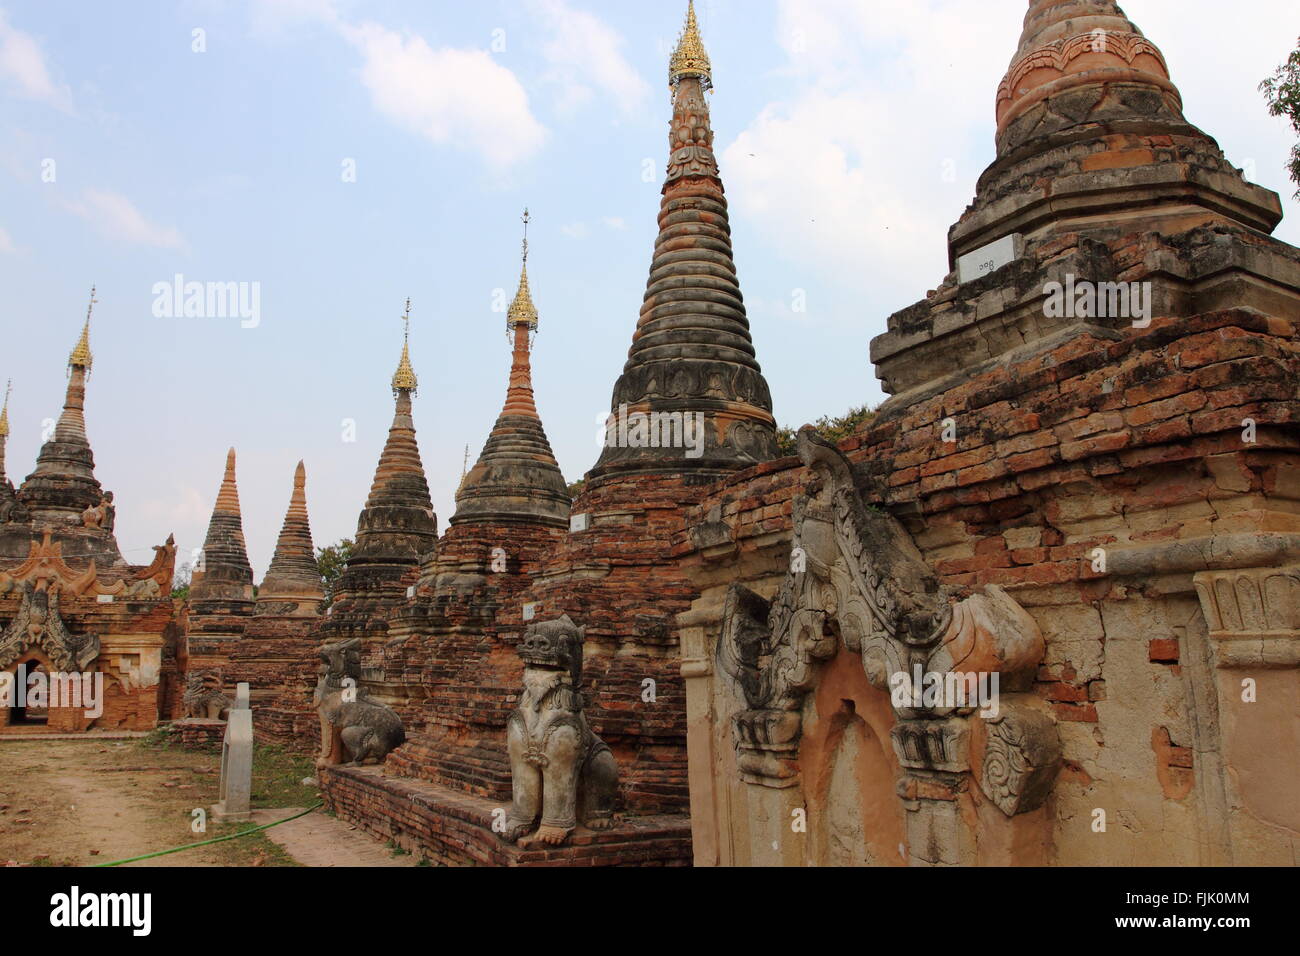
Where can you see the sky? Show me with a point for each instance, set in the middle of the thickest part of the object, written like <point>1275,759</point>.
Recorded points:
<point>340,156</point>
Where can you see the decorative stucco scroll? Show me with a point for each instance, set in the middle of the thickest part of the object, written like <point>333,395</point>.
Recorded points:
<point>856,578</point>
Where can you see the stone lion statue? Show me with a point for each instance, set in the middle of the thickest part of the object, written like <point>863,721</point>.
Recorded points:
<point>203,698</point>
<point>352,726</point>
<point>560,770</point>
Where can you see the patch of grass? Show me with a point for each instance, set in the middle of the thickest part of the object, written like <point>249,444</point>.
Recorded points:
<point>256,849</point>
<point>277,773</point>
<point>157,739</point>
<point>278,776</point>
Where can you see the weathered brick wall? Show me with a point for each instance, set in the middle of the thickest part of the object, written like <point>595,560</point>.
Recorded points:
<point>1133,444</point>
<point>449,664</point>
<point>277,658</point>
<point>455,829</point>
<point>195,734</point>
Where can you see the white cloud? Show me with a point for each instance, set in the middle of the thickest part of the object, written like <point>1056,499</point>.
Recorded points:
<point>617,223</point>
<point>23,63</point>
<point>840,175</point>
<point>6,241</point>
<point>582,53</point>
<point>575,230</point>
<point>116,217</point>
<point>451,97</point>
<point>859,170</point>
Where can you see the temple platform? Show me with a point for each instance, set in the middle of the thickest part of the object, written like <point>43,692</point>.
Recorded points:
<point>455,829</point>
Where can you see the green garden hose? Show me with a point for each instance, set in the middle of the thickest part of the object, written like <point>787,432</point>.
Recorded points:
<point>232,836</point>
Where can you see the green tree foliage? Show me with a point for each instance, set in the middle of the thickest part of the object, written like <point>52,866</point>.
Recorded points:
<point>1282,90</point>
<point>181,583</point>
<point>330,560</point>
<point>575,489</point>
<point>832,429</point>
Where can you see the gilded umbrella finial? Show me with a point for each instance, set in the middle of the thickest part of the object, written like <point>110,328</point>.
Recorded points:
<point>522,311</point>
<point>404,379</point>
<point>4,412</point>
<point>81,356</point>
<point>690,57</point>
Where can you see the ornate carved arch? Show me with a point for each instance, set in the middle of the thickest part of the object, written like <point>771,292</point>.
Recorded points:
<point>857,579</point>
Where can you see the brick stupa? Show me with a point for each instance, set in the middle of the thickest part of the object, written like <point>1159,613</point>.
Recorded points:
<point>1092,143</point>
<point>516,478</point>
<point>395,529</point>
<point>457,636</point>
<point>292,585</point>
<point>57,495</point>
<point>89,610</point>
<point>6,486</point>
<point>276,654</point>
<point>691,353</point>
<point>221,588</point>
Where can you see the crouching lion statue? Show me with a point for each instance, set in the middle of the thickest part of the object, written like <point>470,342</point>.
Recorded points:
<point>203,698</point>
<point>560,770</point>
<point>352,726</point>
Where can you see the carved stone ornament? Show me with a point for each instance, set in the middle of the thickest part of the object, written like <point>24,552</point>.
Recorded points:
<point>39,624</point>
<point>857,580</point>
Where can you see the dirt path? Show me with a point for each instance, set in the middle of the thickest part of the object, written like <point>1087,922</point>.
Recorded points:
<point>320,840</point>
<point>68,802</point>
<point>81,802</point>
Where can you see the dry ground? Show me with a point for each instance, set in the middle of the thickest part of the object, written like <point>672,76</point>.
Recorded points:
<point>82,802</point>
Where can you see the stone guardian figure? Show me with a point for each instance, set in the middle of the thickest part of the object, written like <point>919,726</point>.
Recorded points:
<point>352,726</point>
<point>561,772</point>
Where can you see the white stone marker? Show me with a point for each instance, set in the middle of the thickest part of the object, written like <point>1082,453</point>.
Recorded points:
<point>236,760</point>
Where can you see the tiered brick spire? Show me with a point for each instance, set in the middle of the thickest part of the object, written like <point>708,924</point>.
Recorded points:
<point>516,477</point>
<point>293,575</point>
<point>224,574</point>
<point>63,485</point>
<point>692,354</point>
<point>4,436</point>
<point>398,523</point>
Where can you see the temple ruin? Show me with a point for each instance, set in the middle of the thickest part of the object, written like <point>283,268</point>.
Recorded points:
<point>1054,580</point>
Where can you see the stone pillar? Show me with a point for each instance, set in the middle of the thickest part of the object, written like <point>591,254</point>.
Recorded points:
<point>236,761</point>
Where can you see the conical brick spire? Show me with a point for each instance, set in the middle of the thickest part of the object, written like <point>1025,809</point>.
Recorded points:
<point>293,575</point>
<point>692,359</point>
<point>4,436</point>
<point>224,573</point>
<point>398,523</point>
<point>516,478</point>
<point>63,485</point>
<point>62,494</point>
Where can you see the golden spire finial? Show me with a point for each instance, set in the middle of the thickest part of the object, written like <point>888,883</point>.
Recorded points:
<point>690,57</point>
<point>4,412</point>
<point>81,356</point>
<point>404,379</point>
<point>522,311</point>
